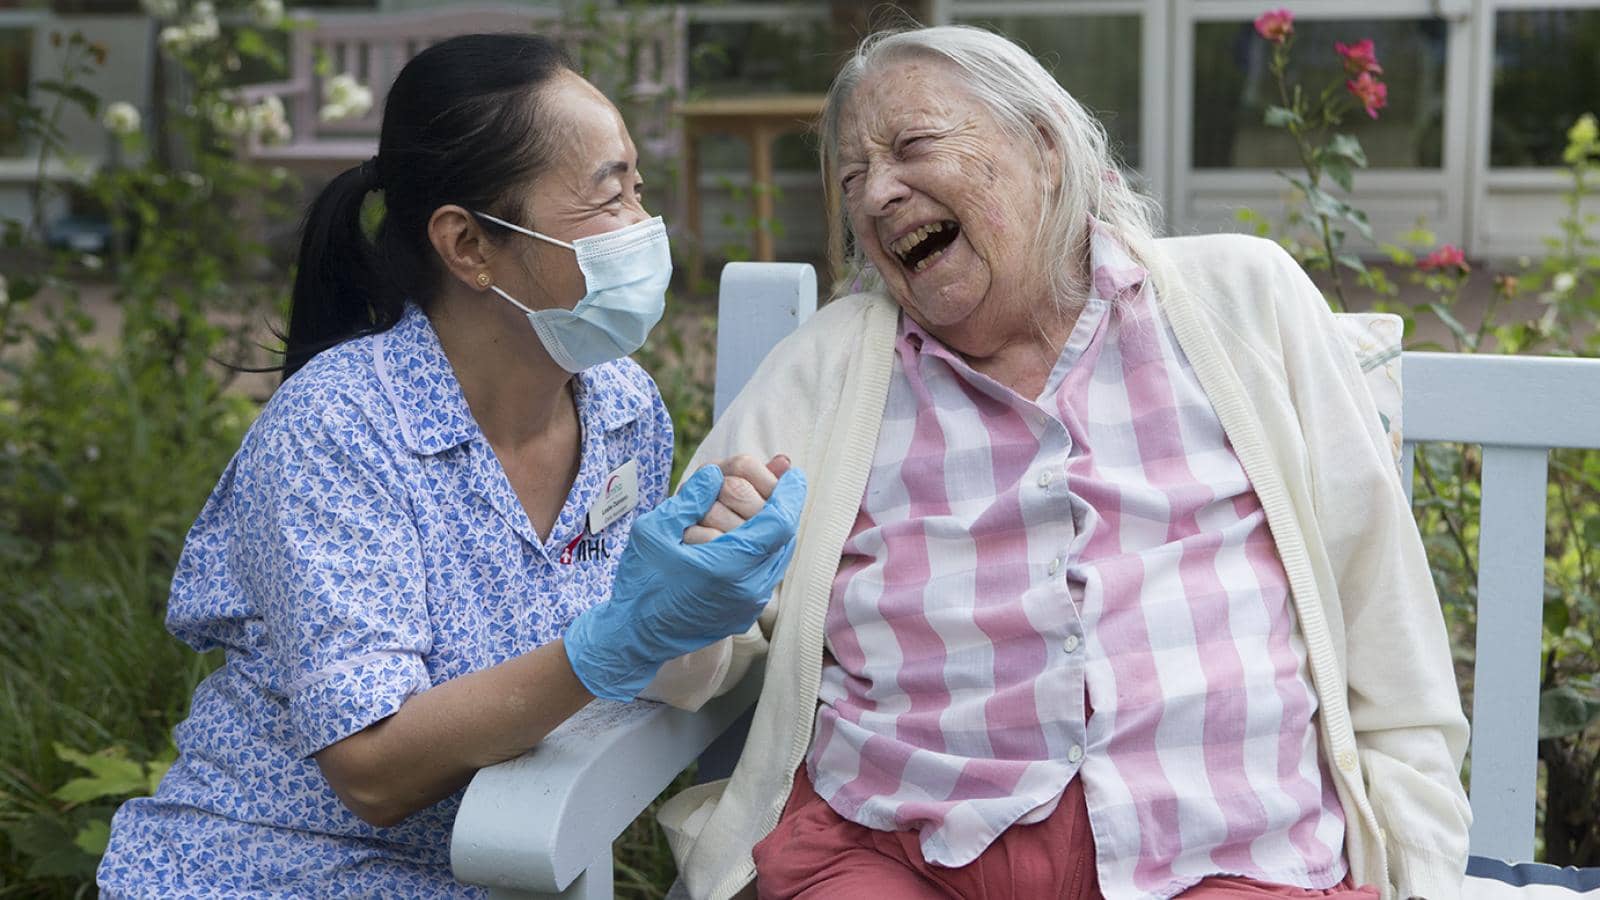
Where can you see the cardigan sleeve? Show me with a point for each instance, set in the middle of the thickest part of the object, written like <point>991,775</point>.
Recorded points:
<point>1402,695</point>
<point>766,418</point>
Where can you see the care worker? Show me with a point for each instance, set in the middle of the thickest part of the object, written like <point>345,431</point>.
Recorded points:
<point>447,531</point>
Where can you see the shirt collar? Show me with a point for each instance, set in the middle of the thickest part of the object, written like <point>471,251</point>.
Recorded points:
<point>1115,276</point>
<point>421,384</point>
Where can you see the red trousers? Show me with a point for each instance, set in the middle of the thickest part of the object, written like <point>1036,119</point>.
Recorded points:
<point>815,854</point>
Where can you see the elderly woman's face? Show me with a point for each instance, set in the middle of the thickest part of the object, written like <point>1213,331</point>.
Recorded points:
<point>941,199</point>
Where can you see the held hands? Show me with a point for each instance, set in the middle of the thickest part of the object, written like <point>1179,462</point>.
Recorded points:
<point>681,585</point>
<point>746,485</point>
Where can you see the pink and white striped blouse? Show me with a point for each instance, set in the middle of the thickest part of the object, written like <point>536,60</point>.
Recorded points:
<point>1019,564</point>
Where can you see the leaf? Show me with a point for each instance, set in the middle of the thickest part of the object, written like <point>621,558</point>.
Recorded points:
<point>1556,615</point>
<point>1359,219</point>
<point>1351,261</point>
<point>1565,711</point>
<point>94,837</point>
<point>1451,322</point>
<point>1339,170</point>
<point>111,775</point>
<point>1348,148</point>
<point>88,100</point>
<point>1282,117</point>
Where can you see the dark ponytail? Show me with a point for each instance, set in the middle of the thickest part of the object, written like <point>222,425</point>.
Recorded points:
<point>463,124</point>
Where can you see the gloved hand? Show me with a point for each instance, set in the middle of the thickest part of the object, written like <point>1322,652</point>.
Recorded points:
<point>670,598</point>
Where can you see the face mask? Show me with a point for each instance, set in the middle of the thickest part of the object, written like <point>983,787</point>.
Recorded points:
<point>626,272</point>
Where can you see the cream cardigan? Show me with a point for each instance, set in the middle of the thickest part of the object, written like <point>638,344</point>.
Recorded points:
<point>1291,399</point>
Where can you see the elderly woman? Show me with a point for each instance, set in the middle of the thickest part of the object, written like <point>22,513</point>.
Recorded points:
<point>1106,585</point>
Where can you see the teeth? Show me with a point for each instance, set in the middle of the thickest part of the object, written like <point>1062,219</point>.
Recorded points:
<point>911,240</point>
<point>928,261</point>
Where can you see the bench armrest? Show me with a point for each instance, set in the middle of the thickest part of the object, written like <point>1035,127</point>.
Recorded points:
<point>535,823</point>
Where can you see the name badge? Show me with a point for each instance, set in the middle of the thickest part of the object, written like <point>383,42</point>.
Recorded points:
<point>618,494</point>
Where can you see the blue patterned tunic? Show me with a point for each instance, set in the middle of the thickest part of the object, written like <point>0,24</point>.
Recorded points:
<point>364,545</point>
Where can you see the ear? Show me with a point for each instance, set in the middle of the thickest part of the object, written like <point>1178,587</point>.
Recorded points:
<point>462,244</point>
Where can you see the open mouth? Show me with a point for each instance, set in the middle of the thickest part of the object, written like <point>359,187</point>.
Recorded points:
<point>922,247</point>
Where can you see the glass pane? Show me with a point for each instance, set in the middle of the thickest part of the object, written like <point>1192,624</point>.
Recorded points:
<point>728,59</point>
<point>15,44</point>
<point>1233,88</point>
<point>1096,58</point>
<point>1546,75</point>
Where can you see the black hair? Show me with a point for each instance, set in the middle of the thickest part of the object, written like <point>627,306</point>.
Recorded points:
<point>463,124</point>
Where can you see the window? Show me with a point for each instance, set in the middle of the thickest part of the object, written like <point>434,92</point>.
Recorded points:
<point>1546,74</point>
<point>1233,88</point>
<point>775,56</point>
<point>1096,58</point>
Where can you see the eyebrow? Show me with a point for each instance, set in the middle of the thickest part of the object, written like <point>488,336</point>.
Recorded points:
<point>614,167</point>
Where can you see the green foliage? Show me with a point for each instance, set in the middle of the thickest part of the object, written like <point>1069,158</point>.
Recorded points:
<point>109,444</point>
<point>1563,289</point>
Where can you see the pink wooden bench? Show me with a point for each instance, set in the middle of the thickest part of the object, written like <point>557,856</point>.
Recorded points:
<point>638,58</point>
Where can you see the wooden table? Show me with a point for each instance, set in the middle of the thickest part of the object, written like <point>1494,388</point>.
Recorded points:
<point>759,120</point>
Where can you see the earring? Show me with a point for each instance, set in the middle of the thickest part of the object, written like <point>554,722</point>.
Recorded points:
<point>483,279</point>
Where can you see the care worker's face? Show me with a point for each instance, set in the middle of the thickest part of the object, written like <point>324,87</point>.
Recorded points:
<point>940,198</point>
<point>591,187</point>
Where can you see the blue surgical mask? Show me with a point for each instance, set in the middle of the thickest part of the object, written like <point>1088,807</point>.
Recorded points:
<point>626,273</point>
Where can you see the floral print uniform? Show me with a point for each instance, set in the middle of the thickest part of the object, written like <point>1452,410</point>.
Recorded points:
<point>364,545</point>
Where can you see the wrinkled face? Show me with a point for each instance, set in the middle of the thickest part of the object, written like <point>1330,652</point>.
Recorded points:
<point>943,201</point>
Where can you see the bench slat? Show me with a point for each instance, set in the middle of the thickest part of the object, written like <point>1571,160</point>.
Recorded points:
<point>1505,697</point>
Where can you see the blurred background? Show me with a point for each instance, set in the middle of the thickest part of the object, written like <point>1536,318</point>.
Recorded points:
<point>155,158</point>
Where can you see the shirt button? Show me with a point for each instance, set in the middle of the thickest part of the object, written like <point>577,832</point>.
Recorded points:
<point>1075,754</point>
<point>1044,478</point>
<point>1070,644</point>
<point>1055,565</point>
<point>1347,760</point>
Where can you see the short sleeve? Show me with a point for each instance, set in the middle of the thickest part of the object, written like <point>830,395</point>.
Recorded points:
<point>331,556</point>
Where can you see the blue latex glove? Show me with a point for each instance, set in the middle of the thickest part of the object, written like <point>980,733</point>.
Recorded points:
<point>671,598</point>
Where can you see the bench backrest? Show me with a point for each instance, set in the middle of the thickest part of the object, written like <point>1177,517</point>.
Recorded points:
<point>635,57</point>
<point>1516,408</point>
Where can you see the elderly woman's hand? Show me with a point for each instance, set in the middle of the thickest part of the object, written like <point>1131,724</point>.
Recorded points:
<point>746,485</point>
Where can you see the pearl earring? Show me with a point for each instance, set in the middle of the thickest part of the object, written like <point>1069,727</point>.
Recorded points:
<point>483,279</point>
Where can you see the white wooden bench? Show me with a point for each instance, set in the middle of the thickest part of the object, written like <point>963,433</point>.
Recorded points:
<point>374,47</point>
<point>542,826</point>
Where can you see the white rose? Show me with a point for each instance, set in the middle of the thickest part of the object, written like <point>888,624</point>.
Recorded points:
<point>173,39</point>
<point>160,9</point>
<point>344,98</point>
<point>268,13</point>
<point>230,119</point>
<point>1564,282</point>
<point>192,179</point>
<point>121,118</point>
<point>268,121</point>
<point>204,29</point>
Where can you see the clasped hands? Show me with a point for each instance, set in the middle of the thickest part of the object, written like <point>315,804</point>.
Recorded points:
<point>698,568</point>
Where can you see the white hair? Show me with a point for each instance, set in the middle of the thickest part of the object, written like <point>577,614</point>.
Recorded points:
<point>1032,107</point>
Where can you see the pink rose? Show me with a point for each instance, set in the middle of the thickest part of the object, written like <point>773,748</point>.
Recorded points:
<point>1447,257</point>
<point>1373,94</point>
<point>1275,25</point>
<point>1359,57</point>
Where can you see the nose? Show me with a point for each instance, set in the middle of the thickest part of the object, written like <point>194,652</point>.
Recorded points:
<point>882,190</point>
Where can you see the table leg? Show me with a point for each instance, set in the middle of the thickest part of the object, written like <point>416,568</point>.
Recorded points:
<point>761,189</point>
<point>691,206</point>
